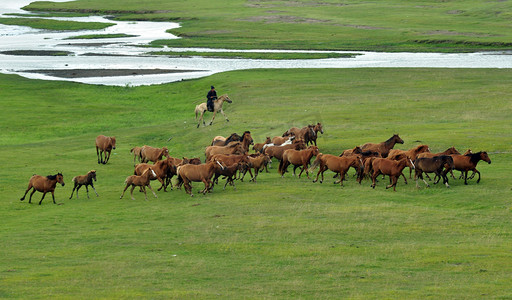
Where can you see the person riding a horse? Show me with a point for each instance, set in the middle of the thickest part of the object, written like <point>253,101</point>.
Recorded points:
<point>211,96</point>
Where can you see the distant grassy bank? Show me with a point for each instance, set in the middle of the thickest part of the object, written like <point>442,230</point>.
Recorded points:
<point>392,25</point>
<point>279,237</point>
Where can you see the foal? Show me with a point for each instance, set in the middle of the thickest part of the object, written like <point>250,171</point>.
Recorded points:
<point>142,181</point>
<point>84,180</point>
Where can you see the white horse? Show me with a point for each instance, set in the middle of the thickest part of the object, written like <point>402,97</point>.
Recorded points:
<point>217,107</point>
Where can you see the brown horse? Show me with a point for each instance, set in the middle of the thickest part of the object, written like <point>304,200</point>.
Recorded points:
<point>104,145</point>
<point>232,148</point>
<point>141,181</point>
<point>465,163</point>
<point>348,152</point>
<point>160,168</point>
<point>297,158</point>
<point>246,141</point>
<point>435,165</point>
<point>384,147</point>
<point>389,167</point>
<point>197,173</point>
<point>257,162</point>
<point>217,107</point>
<point>44,185</point>
<point>174,164</point>
<point>153,154</point>
<point>84,180</point>
<point>339,165</point>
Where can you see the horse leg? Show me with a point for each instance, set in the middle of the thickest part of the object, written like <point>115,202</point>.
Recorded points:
<point>213,117</point>
<point>466,177</point>
<point>94,190</point>
<point>374,176</point>
<point>402,174</point>
<point>87,191</point>
<point>125,188</point>
<point>163,184</point>
<point>73,192</point>
<point>445,179</point>
<point>28,189</point>
<point>44,194</point>
<point>151,189</point>
<point>131,191</point>
<point>98,154</point>
<point>222,112</point>
<point>475,170</point>
<point>53,197</point>
<point>30,198</point>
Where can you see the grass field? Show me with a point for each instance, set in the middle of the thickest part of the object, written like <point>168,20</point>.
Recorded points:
<point>279,237</point>
<point>391,25</point>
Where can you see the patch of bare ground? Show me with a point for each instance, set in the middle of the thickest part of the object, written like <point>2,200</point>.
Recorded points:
<point>83,73</point>
<point>455,12</point>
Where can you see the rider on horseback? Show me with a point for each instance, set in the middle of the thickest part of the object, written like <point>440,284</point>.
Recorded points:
<point>211,96</point>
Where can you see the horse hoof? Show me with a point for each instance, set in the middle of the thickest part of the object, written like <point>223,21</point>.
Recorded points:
<point>227,120</point>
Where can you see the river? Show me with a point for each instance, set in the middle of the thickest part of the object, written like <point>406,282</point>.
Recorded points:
<point>126,53</point>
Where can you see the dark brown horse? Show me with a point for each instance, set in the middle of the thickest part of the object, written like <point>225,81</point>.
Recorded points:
<point>389,167</point>
<point>465,163</point>
<point>44,185</point>
<point>84,180</point>
<point>222,141</point>
<point>104,145</point>
<point>246,141</point>
<point>339,165</point>
<point>198,173</point>
<point>435,165</point>
<point>298,158</point>
<point>384,147</point>
<point>316,129</point>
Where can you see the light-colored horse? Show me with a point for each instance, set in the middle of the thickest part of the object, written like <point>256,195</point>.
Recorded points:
<point>217,107</point>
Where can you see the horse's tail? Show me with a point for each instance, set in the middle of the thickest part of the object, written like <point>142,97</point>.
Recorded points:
<point>74,179</point>
<point>368,166</point>
<point>316,163</point>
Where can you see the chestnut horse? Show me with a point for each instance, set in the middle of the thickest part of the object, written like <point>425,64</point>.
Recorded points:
<point>384,147</point>
<point>465,163</point>
<point>104,144</point>
<point>44,185</point>
<point>217,107</point>
<point>448,151</point>
<point>142,181</point>
<point>389,167</point>
<point>339,165</point>
<point>148,153</point>
<point>277,151</point>
<point>84,180</point>
<point>412,154</point>
<point>435,165</point>
<point>257,162</point>
<point>161,169</point>
<point>258,147</point>
<point>198,173</point>
<point>297,158</point>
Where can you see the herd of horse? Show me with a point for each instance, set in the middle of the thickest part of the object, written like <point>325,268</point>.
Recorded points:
<point>230,158</point>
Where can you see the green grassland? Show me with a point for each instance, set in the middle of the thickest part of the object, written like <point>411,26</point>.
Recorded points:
<point>278,237</point>
<point>392,25</point>
<point>58,25</point>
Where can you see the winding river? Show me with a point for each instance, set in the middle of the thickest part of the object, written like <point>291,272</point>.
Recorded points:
<point>126,53</point>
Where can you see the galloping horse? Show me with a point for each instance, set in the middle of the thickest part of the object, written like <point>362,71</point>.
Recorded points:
<point>198,173</point>
<point>389,167</point>
<point>217,107</point>
<point>339,165</point>
<point>465,163</point>
<point>142,181</point>
<point>104,144</point>
<point>44,185</point>
<point>297,158</point>
<point>384,147</point>
<point>433,165</point>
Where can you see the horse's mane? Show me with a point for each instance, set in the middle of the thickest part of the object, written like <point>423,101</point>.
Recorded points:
<point>243,135</point>
<point>232,137</point>
<point>475,157</point>
<point>52,177</point>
